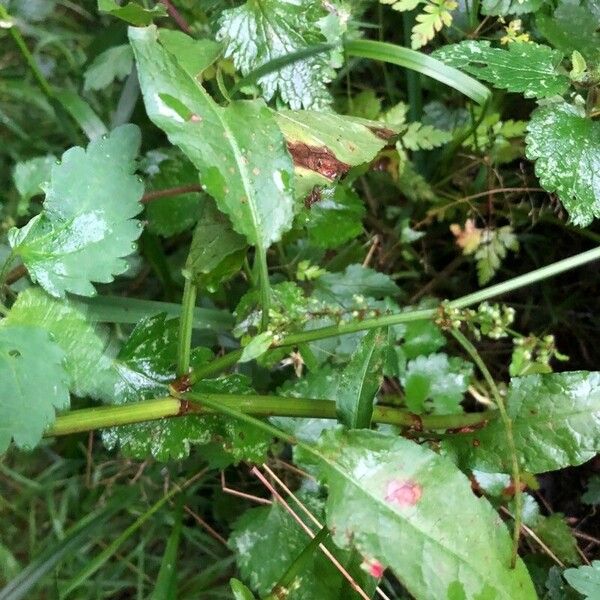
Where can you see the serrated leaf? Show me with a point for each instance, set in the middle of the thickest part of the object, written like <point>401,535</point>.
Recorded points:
<point>131,12</point>
<point>531,69</point>
<point>557,535</point>
<point>493,247</point>
<point>586,580</point>
<point>383,489</point>
<point>87,225</point>
<point>334,218</point>
<point>402,5</point>
<point>435,15</point>
<point>436,384</point>
<point>359,382</point>
<point>83,344</point>
<point>264,528</point>
<point>112,64</point>
<point>566,148</point>
<point>421,337</point>
<point>217,251</point>
<point>501,8</point>
<point>246,169</point>
<point>260,31</point>
<point>29,177</point>
<point>556,423</point>
<point>425,137</point>
<point>33,384</point>
<point>572,26</point>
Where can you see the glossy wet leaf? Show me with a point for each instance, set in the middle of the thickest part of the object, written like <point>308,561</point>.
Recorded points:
<point>586,580</point>
<point>87,226</point>
<point>360,381</point>
<point>111,65</point>
<point>245,168</point>
<point>566,147</point>
<point>390,498</point>
<point>556,424</point>
<point>529,68</point>
<point>261,529</point>
<point>260,31</point>
<point>240,591</point>
<point>83,344</point>
<point>166,169</point>
<point>557,535</point>
<point>436,384</point>
<point>30,176</point>
<point>131,12</point>
<point>33,384</point>
<point>217,251</point>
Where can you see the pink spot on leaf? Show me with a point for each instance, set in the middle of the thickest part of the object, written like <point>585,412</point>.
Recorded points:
<point>403,492</point>
<point>196,118</point>
<point>373,567</point>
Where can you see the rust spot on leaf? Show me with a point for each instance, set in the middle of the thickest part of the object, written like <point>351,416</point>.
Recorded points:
<point>315,158</point>
<point>383,133</point>
<point>403,492</point>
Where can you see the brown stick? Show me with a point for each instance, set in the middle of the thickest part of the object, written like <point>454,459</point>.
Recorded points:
<point>158,194</point>
<point>176,16</point>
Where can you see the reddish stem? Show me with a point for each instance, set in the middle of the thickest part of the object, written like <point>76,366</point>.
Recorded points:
<point>176,16</point>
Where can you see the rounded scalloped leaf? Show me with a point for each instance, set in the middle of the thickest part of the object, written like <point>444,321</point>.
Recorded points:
<point>33,384</point>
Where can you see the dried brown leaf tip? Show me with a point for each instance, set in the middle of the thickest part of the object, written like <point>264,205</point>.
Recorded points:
<point>318,159</point>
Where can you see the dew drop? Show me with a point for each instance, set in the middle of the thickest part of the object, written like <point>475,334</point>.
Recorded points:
<point>105,136</point>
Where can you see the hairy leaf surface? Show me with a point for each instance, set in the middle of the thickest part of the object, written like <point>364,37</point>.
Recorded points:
<point>389,497</point>
<point>566,147</point>
<point>87,225</point>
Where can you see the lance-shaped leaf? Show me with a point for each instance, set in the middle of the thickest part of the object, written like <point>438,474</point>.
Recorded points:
<point>359,382</point>
<point>83,344</point>
<point>87,225</point>
<point>217,251</point>
<point>531,69</point>
<point>395,500</point>
<point>261,31</point>
<point>556,423</point>
<point>33,383</point>
<point>238,150</point>
<point>566,147</point>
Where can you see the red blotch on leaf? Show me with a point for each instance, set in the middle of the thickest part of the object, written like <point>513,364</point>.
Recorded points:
<point>373,567</point>
<point>403,492</point>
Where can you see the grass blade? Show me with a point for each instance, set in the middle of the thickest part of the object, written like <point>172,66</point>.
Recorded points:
<point>422,63</point>
<point>166,582</point>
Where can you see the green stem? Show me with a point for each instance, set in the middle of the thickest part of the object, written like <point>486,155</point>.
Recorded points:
<point>100,417</point>
<point>186,324</point>
<point>18,38</point>
<point>510,440</point>
<point>345,328</point>
<point>265,286</point>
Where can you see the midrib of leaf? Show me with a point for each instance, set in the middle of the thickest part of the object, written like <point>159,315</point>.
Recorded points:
<point>396,516</point>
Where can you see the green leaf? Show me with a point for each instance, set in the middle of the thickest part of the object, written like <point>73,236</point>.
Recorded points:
<point>436,384</point>
<point>555,424</point>
<point>557,535</point>
<point>87,225</point>
<point>356,280</point>
<point>33,384</point>
<point>572,26</point>
<point>260,31</point>
<point>592,494</point>
<point>389,497</point>
<point>359,382</point>
<point>494,246</point>
<point>528,68</point>
<point>166,582</point>
<point>424,137</point>
<point>83,344</point>
<point>586,580</point>
<point>30,177</point>
<point>334,218</point>
<point>131,12</point>
<point>257,346</point>
<point>421,337</point>
<point>566,147</point>
<point>144,367</point>
<point>246,169</point>
<point>264,528</point>
<point>240,591</point>
<point>112,64</point>
<point>217,252</point>
<point>195,56</point>
<point>501,8</point>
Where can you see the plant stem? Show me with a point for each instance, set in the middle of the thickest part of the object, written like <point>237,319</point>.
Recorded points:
<point>566,264</point>
<point>265,287</point>
<point>510,440</point>
<point>100,417</point>
<point>18,38</point>
<point>186,324</point>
